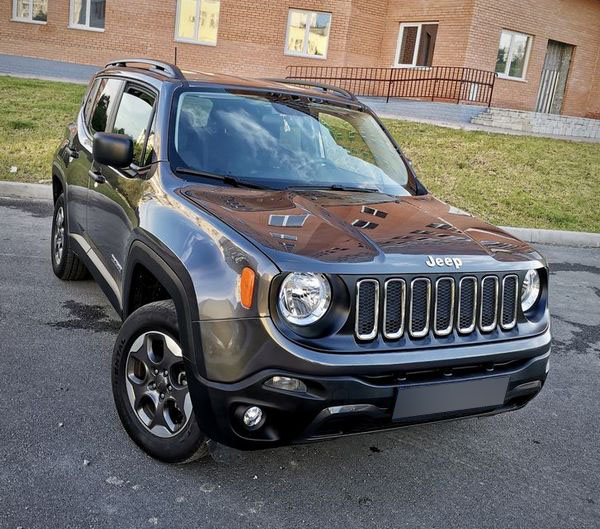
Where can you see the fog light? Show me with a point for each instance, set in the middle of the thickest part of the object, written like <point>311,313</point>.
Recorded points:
<point>253,416</point>
<point>287,384</point>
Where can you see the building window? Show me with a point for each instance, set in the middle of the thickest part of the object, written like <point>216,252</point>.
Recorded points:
<point>30,10</point>
<point>416,43</point>
<point>513,54</point>
<point>307,33</point>
<point>88,14</point>
<point>197,21</point>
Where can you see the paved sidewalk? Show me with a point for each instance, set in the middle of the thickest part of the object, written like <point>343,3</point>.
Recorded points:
<point>46,69</point>
<point>424,110</point>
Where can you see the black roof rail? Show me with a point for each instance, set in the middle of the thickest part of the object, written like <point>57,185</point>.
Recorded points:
<point>170,70</point>
<point>322,86</point>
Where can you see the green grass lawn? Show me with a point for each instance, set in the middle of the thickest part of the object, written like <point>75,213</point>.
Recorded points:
<point>508,180</point>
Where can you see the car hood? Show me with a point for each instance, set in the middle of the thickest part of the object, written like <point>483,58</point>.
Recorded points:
<point>354,232</point>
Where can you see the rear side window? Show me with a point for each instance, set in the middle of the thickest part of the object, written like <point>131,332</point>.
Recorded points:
<point>133,119</point>
<point>89,102</point>
<point>107,93</point>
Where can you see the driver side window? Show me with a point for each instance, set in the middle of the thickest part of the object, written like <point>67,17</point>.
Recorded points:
<point>133,119</point>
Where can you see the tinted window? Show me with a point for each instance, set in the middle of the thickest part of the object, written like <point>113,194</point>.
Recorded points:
<point>133,119</point>
<point>105,100</point>
<point>89,103</point>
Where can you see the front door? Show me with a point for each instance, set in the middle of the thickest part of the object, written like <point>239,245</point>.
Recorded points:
<point>554,77</point>
<point>114,198</point>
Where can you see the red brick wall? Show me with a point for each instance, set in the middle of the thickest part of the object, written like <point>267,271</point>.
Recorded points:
<point>454,21</point>
<point>575,22</point>
<point>251,38</point>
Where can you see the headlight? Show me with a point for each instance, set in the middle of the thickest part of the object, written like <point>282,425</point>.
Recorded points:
<point>304,297</point>
<point>530,290</point>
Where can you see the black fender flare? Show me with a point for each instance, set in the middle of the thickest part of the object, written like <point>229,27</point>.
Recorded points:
<point>170,271</point>
<point>57,171</point>
<point>172,274</point>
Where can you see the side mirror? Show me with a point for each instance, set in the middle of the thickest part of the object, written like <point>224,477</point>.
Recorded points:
<point>112,149</point>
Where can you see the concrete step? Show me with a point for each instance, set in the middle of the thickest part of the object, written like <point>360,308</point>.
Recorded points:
<point>539,123</point>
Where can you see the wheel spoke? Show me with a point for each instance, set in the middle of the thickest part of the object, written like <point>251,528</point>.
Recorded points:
<point>140,350</point>
<point>171,353</point>
<point>140,391</point>
<point>159,415</point>
<point>179,395</point>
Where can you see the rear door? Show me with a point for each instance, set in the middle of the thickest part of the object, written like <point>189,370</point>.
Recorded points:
<point>114,198</point>
<point>76,156</point>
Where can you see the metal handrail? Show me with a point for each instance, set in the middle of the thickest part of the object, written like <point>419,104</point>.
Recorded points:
<point>455,83</point>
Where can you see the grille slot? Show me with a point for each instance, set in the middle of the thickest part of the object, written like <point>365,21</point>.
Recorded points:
<point>394,303</point>
<point>467,304</point>
<point>367,309</point>
<point>488,308</point>
<point>419,308</point>
<point>510,294</point>
<point>444,306</point>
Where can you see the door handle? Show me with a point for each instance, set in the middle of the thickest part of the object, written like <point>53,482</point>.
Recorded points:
<point>73,153</point>
<point>97,176</point>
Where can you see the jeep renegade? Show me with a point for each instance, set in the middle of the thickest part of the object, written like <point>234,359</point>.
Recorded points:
<point>282,273</point>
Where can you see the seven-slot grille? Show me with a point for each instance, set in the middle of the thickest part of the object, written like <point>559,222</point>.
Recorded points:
<point>439,305</point>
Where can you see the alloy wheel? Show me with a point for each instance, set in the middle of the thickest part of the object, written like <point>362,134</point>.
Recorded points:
<point>59,235</point>
<point>157,385</point>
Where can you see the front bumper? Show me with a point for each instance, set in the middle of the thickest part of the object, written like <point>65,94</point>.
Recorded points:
<point>335,406</point>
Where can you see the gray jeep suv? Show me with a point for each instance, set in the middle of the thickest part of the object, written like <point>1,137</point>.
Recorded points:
<point>282,274</point>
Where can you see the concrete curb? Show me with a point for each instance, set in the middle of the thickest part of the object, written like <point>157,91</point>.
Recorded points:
<point>560,238</point>
<point>533,235</point>
<point>41,77</point>
<point>23,190</point>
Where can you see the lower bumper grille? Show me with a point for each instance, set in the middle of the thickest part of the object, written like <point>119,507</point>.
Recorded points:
<point>423,306</point>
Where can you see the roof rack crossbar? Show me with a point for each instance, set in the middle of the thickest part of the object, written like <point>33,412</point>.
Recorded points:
<point>322,86</point>
<point>170,70</point>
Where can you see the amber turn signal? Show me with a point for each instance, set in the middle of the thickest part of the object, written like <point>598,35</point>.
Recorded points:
<point>247,287</point>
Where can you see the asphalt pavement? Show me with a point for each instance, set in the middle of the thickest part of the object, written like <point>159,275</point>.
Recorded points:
<point>66,462</point>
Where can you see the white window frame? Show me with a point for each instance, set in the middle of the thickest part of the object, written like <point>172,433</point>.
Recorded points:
<point>419,26</point>
<point>29,20</point>
<point>88,13</point>
<point>304,52</point>
<point>512,34</point>
<point>177,38</point>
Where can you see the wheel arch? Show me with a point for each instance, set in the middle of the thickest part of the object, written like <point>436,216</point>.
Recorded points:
<point>170,272</point>
<point>59,184</point>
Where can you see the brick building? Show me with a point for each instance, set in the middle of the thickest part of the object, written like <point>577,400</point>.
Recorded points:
<point>546,52</point>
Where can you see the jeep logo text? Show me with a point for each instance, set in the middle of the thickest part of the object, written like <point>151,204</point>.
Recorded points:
<point>447,261</point>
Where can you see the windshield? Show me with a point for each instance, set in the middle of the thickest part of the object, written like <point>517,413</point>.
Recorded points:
<point>281,141</point>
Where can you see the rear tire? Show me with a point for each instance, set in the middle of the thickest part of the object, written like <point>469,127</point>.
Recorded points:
<point>65,264</point>
<point>149,385</point>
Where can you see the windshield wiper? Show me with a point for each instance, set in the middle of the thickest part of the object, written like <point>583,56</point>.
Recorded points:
<point>339,187</point>
<point>231,180</point>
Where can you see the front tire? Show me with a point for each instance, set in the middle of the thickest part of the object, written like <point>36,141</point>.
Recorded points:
<point>150,386</point>
<point>65,264</point>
